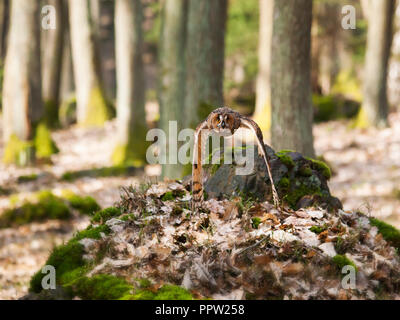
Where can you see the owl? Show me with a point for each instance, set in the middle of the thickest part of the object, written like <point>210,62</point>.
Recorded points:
<point>224,121</point>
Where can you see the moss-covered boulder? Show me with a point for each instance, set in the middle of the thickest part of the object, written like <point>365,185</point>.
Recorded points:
<point>45,205</point>
<point>153,246</point>
<point>301,182</point>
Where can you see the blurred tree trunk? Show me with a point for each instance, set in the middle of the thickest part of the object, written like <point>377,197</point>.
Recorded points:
<point>67,71</point>
<point>92,106</point>
<point>262,113</point>
<point>131,146</point>
<point>205,59</point>
<point>172,76</point>
<point>379,38</point>
<point>4,16</point>
<point>292,113</point>
<point>22,97</point>
<point>329,29</point>
<point>106,46</point>
<point>53,47</point>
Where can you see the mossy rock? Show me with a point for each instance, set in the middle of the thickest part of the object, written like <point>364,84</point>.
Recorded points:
<point>333,107</point>
<point>27,178</point>
<point>68,260</point>
<point>85,205</point>
<point>44,205</point>
<point>114,171</point>
<point>300,181</point>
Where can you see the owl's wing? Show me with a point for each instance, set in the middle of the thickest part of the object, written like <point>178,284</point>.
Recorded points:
<point>253,126</point>
<point>197,181</point>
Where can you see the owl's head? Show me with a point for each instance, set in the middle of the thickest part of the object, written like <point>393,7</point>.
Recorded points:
<point>222,119</point>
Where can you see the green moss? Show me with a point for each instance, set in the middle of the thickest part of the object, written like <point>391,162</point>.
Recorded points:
<point>128,217</point>
<point>85,205</point>
<point>106,214</point>
<point>348,85</point>
<point>285,158</point>
<point>172,292</point>
<point>101,287</point>
<point>362,121</point>
<point>64,258</point>
<point>299,191</point>
<point>27,178</point>
<point>45,206</point>
<point>98,109</point>
<point>44,145</point>
<point>126,155</point>
<point>140,295</point>
<point>305,171</point>
<point>284,183</point>
<point>166,292</point>
<point>171,195</point>
<point>51,114</point>
<point>341,261</point>
<point>70,277</point>
<point>321,167</point>
<point>114,171</point>
<point>18,151</point>
<point>326,108</point>
<point>388,232</point>
<point>318,229</point>
<point>168,196</point>
<point>67,112</point>
<point>255,222</point>
<point>92,233</point>
<point>67,259</point>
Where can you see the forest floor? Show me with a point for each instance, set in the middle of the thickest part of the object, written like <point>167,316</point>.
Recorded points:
<point>366,166</point>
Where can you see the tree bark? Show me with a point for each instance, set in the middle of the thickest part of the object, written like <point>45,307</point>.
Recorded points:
<point>292,113</point>
<point>131,146</point>
<point>379,39</point>
<point>262,113</point>
<point>92,106</point>
<point>172,76</point>
<point>205,59</point>
<point>22,98</point>
<point>52,63</point>
<point>4,16</point>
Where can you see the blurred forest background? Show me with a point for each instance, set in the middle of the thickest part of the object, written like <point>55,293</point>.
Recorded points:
<point>81,86</point>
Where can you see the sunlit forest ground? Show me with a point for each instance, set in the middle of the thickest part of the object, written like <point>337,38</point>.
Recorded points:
<point>365,163</point>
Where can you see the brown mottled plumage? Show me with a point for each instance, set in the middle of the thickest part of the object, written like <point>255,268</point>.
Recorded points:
<point>224,121</point>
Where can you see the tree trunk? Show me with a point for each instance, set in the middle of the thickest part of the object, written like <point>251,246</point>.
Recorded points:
<point>52,57</point>
<point>292,113</point>
<point>262,113</point>
<point>172,77</point>
<point>379,38</point>
<point>67,70</point>
<point>22,98</point>
<point>205,59</point>
<point>92,106</point>
<point>131,146</point>
<point>329,30</point>
<point>4,16</point>
<point>102,13</point>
